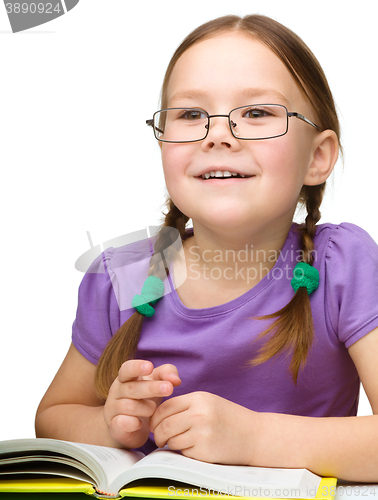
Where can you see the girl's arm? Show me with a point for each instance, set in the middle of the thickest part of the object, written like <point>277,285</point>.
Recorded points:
<point>71,410</point>
<point>212,429</point>
<point>344,447</point>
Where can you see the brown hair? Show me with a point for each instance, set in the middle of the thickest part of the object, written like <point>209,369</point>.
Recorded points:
<point>292,329</point>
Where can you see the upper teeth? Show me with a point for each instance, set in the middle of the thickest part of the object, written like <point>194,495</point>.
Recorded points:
<point>220,173</point>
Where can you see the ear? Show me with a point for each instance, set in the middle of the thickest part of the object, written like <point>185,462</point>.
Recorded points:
<point>325,152</point>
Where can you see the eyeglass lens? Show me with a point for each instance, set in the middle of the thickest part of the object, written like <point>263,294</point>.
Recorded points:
<point>258,121</point>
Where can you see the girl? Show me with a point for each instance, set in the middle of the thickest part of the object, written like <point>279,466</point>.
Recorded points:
<point>275,324</point>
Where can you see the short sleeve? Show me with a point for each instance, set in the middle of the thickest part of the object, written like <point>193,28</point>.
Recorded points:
<point>98,314</point>
<point>351,298</point>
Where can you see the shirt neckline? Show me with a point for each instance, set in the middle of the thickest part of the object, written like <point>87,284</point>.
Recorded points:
<point>267,281</point>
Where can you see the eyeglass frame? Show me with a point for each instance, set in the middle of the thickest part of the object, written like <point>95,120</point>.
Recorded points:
<point>289,114</point>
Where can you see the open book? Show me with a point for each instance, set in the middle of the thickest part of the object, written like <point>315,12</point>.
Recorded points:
<point>107,471</point>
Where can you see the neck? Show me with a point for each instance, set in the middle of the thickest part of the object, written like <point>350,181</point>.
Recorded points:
<point>233,259</point>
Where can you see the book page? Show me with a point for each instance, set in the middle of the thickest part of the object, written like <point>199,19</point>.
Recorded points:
<point>106,455</point>
<point>279,483</point>
<point>113,462</point>
<point>104,462</point>
<point>48,469</point>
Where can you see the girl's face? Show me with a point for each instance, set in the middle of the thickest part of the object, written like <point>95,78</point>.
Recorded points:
<point>218,75</point>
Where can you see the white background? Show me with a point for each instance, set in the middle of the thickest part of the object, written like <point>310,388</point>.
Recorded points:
<point>76,154</point>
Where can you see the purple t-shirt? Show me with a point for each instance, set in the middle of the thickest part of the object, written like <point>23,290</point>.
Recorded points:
<point>211,347</point>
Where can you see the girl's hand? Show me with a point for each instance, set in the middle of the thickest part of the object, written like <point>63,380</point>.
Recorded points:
<point>206,427</point>
<point>134,397</point>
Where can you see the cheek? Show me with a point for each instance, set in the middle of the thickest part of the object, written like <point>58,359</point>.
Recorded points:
<point>175,159</point>
<point>287,161</point>
<point>169,160</point>
<point>177,156</point>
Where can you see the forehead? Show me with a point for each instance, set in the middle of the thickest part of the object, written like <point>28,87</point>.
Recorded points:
<point>232,66</point>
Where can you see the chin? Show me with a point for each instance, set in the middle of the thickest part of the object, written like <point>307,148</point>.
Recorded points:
<point>224,222</point>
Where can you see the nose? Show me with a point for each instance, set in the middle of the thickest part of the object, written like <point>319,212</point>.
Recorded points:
<point>219,131</point>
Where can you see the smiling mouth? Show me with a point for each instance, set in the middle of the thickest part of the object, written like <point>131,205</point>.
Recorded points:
<point>218,174</point>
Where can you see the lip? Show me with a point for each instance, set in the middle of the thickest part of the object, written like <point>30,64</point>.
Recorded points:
<point>224,181</point>
<point>223,169</point>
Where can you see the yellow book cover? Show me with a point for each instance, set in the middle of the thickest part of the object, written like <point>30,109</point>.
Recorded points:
<point>326,490</point>
<point>177,491</point>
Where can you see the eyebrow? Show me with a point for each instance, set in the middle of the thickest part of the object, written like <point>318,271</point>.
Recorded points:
<point>247,93</point>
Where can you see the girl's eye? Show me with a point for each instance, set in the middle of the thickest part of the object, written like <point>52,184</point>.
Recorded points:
<point>256,113</point>
<point>191,114</point>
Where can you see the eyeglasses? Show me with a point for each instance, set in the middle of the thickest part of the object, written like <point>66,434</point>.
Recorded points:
<point>253,122</point>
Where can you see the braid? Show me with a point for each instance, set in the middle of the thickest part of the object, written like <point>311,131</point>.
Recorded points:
<point>293,328</point>
<point>123,345</point>
<point>313,196</point>
<point>173,218</point>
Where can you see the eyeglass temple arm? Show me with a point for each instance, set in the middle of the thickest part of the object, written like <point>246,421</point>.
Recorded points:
<point>303,118</point>
<point>151,124</point>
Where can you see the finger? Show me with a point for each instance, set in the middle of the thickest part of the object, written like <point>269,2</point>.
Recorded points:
<point>142,389</point>
<point>170,428</point>
<point>168,408</point>
<point>122,424</point>
<point>183,442</point>
<point>167,372</point>
<point>134,368</point>
<point>134,407</point>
